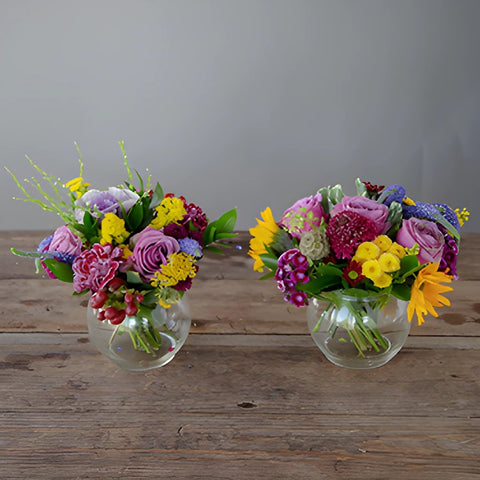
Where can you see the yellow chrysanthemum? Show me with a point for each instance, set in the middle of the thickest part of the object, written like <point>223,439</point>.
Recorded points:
<point>170,210</point>
<point>371,269</point>
<point>397,250</point>
<point>366,251</point>
<point>77,186</point>
<point>112,230</point>
<point>426,292</point>
<point>126,252</point>
<point>180,266</point>
<point>262,234</point>
<point>383,280</point>
<point>389,262</point>
<point>383,242</point>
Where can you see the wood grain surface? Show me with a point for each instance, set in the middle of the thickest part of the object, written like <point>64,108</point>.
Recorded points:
<point>248,397</point>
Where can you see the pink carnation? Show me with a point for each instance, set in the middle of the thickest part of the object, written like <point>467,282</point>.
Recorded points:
<point>94,268</point>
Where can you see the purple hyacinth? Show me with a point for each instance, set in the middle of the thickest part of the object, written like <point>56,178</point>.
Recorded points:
<point>190,247</point>
<point>448,214</point>
<point>393,193</point>
<point>425,211</point>
<point>292,270</point>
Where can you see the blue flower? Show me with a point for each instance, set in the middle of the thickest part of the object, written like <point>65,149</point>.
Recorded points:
<point>190,247</point>
<point>394,193</point>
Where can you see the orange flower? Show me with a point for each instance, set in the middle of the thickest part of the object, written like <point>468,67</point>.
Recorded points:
<point>426,292</point>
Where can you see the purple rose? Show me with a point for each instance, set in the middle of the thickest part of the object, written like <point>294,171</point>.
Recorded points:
<point>367,208</point>
<point>65,241</point>
<point>114,200</point>
<point>303,215</point>
<point>424,233</point>
<point>151,251</point>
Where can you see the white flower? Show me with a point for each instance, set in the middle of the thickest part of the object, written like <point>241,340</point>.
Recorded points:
<point>314,244</point>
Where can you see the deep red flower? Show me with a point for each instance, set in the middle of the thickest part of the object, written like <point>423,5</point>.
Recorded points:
<point>353,273</point>
<point>347,230</point>
<point>371,188</point>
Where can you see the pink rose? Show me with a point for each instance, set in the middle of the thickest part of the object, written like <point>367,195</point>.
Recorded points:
<point>303,215</point>
<point>94,268</point>
<point>64,241</point>
<point>367,208</point>
<point>424,233</point>
<point>151,251</point>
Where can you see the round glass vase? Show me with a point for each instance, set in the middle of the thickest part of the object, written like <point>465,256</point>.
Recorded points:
<point>361,331</point>
<point>142,342</point>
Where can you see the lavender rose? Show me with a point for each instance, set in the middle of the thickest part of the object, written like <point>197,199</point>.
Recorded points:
<point>367,208</point>
<point>303,215</point>
<point>424,233</point>
<point>151,251</point>
<point>65,241</point>
<point>114,200</point>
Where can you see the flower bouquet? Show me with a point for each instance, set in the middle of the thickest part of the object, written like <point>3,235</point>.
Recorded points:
<point>356,253</point>
<point>131,248</point>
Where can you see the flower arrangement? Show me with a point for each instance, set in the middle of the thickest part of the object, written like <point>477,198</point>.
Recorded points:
<point>130,248</point>
<point>329,245</point>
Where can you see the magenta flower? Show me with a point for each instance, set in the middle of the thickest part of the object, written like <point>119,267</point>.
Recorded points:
<point>303,215</point>
<point>347,230</point>
<point>93,269</point>
<point>448,263</point>
<point>151,251</point>
<point>292,270</point>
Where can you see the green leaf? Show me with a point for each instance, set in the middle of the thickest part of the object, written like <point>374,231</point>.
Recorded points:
<point>226,223</point>
<point>157,196</point>
<point>319,284</point>
<point>361,188</point>
<point>401,291</point>
<point>271,262</point>
<point>135,217</point>
<point>213,249</point>
<point>61,270</point>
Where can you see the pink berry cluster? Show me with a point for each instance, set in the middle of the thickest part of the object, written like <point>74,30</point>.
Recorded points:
<point>116,302</point>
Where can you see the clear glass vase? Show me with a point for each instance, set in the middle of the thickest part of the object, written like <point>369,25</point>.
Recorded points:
<point>143,341</point>
<point>362,332</point>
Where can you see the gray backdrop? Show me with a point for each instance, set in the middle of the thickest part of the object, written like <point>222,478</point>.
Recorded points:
<point>240,102</point>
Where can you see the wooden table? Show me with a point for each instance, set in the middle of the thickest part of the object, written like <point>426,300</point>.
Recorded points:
<point>248,397</point>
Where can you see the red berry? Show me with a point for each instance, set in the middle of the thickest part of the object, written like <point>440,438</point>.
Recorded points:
<point>131,309</point>
<point>115,284</point>
<point>98,299</point>
<point>101,315</point>
<point>110,313</point>
<point>129,298</point>
<point>139,297</point>
<point>119,318</point>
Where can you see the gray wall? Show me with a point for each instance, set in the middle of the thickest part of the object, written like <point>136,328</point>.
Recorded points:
<point>240,102</point>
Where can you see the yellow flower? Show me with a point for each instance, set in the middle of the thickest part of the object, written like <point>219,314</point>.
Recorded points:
<point>77,186</point>
<point>366,251</point>
<point>170,210</point>
<point>126,252</point>
<point>113,229</point>
<point>397,250</point>
<point>383,242</point>
<point>408,201</point>
<point>389,262</point>
<point>383,281</point>
<point>426,292</point>
<point>462,216</point>
<point>371,269</point>
<point>262,234</point>
<point>180,266</point>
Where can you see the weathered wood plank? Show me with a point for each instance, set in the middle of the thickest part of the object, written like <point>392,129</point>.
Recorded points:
<point>237,412</point>
<point>217,306</point>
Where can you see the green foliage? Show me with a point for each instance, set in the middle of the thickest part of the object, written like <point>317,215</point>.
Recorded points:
<point>220,229</point>
<point>62,271</point>
<point>331,196</point>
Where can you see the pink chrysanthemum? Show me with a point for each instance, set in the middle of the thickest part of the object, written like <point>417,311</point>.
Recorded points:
<point>347,230</point>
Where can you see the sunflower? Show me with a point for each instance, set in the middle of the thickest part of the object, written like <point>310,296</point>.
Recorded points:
<point>426,292</point>
<point>262,235</point>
